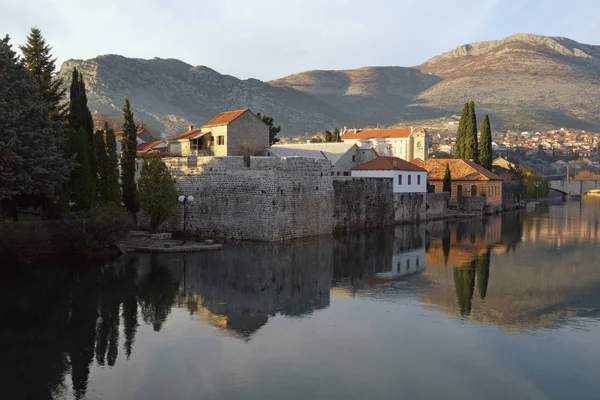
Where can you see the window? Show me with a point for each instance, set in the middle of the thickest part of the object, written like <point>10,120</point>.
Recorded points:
<point>338,173</point>
<point>418,179</point>
<point>353,158</point>
<point>221,140</point>
<point>409,176</point>
<point>346,173</point>
<point>399,179</point>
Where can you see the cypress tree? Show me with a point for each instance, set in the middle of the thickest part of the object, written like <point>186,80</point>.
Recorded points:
<point>447,185</point>
<point>470,138</point>
<point>485,144</point>
<point>459,150</point>
<point>483,274</point>
<point>31,146</point>
<point>335,135</point>
<point>38,60</point>
<point>328,137</point>
<point>113,191</point>
<point>101,165</point>
<point>128,155</point>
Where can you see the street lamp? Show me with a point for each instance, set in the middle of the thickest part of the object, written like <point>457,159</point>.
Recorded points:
<point>185,200</point>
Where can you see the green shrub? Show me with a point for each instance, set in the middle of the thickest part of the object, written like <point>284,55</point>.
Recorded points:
<point>23,241</point>
<point>107,223</point>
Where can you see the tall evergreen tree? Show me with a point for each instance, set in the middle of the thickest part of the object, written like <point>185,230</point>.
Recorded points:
<point>470,139</point>
<point>101,166</point>
<point>459,149</point>
<point>336,135</point>
<point>328,137</point>
<point>82,187</point>
<point>485,144</point>
<point>128,156</point>
<point>113,191</point>
<point>37,56</point>
<point>447,183</point>
<point>273,130</point>
<point>31,156</point>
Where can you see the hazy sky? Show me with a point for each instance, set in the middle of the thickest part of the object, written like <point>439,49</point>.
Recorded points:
<point>268,39</point>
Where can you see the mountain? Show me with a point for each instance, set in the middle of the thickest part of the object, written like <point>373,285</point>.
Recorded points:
<point>523,81</point>
<point>168,95</point>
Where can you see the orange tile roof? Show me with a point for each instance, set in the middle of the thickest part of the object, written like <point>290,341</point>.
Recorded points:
<point>460,170</point>
<point>385,163</point>
<point>225,118</point>
<point>377,134</point>
<point>148,146</point>
<point>188,134</point>
<point>118,134</point>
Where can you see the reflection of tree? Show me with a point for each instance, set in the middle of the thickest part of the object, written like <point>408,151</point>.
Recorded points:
<point>107,330</point>
<point>157,293</point>
<point>446,243</point>
<point>130,308</point>
<point>483,274</point>
<point>464,283</point>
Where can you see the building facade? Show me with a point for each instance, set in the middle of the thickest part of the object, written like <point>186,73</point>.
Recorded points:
<point>404,143</point>
<point>407,177</point>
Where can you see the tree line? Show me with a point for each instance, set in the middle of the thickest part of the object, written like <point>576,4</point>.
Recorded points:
<point>468,145</point>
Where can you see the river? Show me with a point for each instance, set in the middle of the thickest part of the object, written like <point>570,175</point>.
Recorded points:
<point>506,307</point>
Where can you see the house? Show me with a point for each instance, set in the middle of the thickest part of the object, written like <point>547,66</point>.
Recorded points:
<point>468,179</point>
<point>404,143</point>
<point>343,156</point>
<point>231,133</point>
<point>407,177</point>
<point>158,146</point>
<point>143,136</point>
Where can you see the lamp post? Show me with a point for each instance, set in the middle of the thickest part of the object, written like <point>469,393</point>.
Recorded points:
<point>185,200</point>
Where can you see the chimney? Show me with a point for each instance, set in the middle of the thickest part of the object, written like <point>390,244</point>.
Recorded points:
<point>190,128</point>
<point>355,131</point>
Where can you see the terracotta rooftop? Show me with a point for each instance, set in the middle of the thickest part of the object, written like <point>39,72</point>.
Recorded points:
<point>377,133</point>
<point>188,134</point>
<point>385,163</point>
<point>118,134</point>
<point>460,170</point>
<point>148,146</point>
<point>225,118</point>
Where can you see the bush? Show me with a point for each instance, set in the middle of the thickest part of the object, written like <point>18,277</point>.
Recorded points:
<point>106,224</point>
<point>23,241</point>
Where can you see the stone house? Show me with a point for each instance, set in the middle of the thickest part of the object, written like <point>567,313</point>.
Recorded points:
<point>158,146</point>
<point>143,136</point>
<point>404,143</point>
<point>231,133</point>
<point>343,156</point>
<point>407,177</point>
<point>468,179</point>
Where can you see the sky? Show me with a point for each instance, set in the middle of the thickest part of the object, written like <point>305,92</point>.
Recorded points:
<point>270,39</point>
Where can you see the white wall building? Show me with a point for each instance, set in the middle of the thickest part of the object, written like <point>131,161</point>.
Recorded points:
<point>407,177</point>
<point>404,143</point>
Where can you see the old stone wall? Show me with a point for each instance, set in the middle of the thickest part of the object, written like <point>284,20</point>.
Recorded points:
<point>260,198</point>
<point>409,207</point>
<point>437,205</point>
<point>473,204</point>
<point>362,203</point>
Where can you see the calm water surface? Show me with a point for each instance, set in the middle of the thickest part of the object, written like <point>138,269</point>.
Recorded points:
<point>503,308</point>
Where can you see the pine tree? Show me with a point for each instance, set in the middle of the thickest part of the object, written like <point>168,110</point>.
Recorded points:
<point>273,130</point>
<point>158,196</point>
<point>82,188</point>
<point>470,138</point>
<point>39,62</point>
<point>459,150</point>
<point>113,191</point>
<point>328,137</point>
<point>31,146</point>
<point>336,135</point>
<point>447,185</point>
<point>485,144</point>
<point>128,156</point>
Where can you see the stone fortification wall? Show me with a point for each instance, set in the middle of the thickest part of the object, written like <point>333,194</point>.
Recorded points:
<point>437,205</point>
<point>362,203</point>
<point>473,204</point>
<point>409,207</point>
<point>255,198</point>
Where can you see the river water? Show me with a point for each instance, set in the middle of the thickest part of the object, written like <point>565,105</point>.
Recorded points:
<point>508,307</point>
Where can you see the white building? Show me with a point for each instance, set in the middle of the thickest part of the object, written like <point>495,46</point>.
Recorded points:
<point>407,177</point>
<point>404,143</point>
<point>343,156</point>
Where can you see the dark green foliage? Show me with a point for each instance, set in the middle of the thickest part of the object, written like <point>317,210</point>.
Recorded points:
<point>485,144</point>
<point>273,130</point>
<point>470,139</point>
<point>101,165</point>
<point>483,274</point>
<point>447,184</point>
<point>156,294</point>
<point>106,224</point>
<point>328,137</point>
<point>534,186</point>
<point>23,242</point>
<point>446,243</point>
<point>32,161</point>
<point>158,196</point>
<point>336,135</point>
<point>459,150</point>
<point>38,60</point>
<point>128,156</point>
<point>113,191</point>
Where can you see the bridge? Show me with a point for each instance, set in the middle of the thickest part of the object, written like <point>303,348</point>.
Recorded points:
<point>574,188</point>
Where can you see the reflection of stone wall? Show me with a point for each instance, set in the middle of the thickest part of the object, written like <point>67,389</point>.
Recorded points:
<point>437,205</point>
<point>362,203</point>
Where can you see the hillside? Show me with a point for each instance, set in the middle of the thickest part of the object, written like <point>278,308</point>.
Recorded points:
<point>524,82</point>
<point>169,95</point>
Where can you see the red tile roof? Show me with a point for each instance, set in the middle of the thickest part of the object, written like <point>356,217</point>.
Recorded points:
<point>377,134</point>
<point>225,118</point>
<point>118,134</point>
<point>385,163</point>
<point>148,146</point>
<point>460,170</point>
<point>188,134</point>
